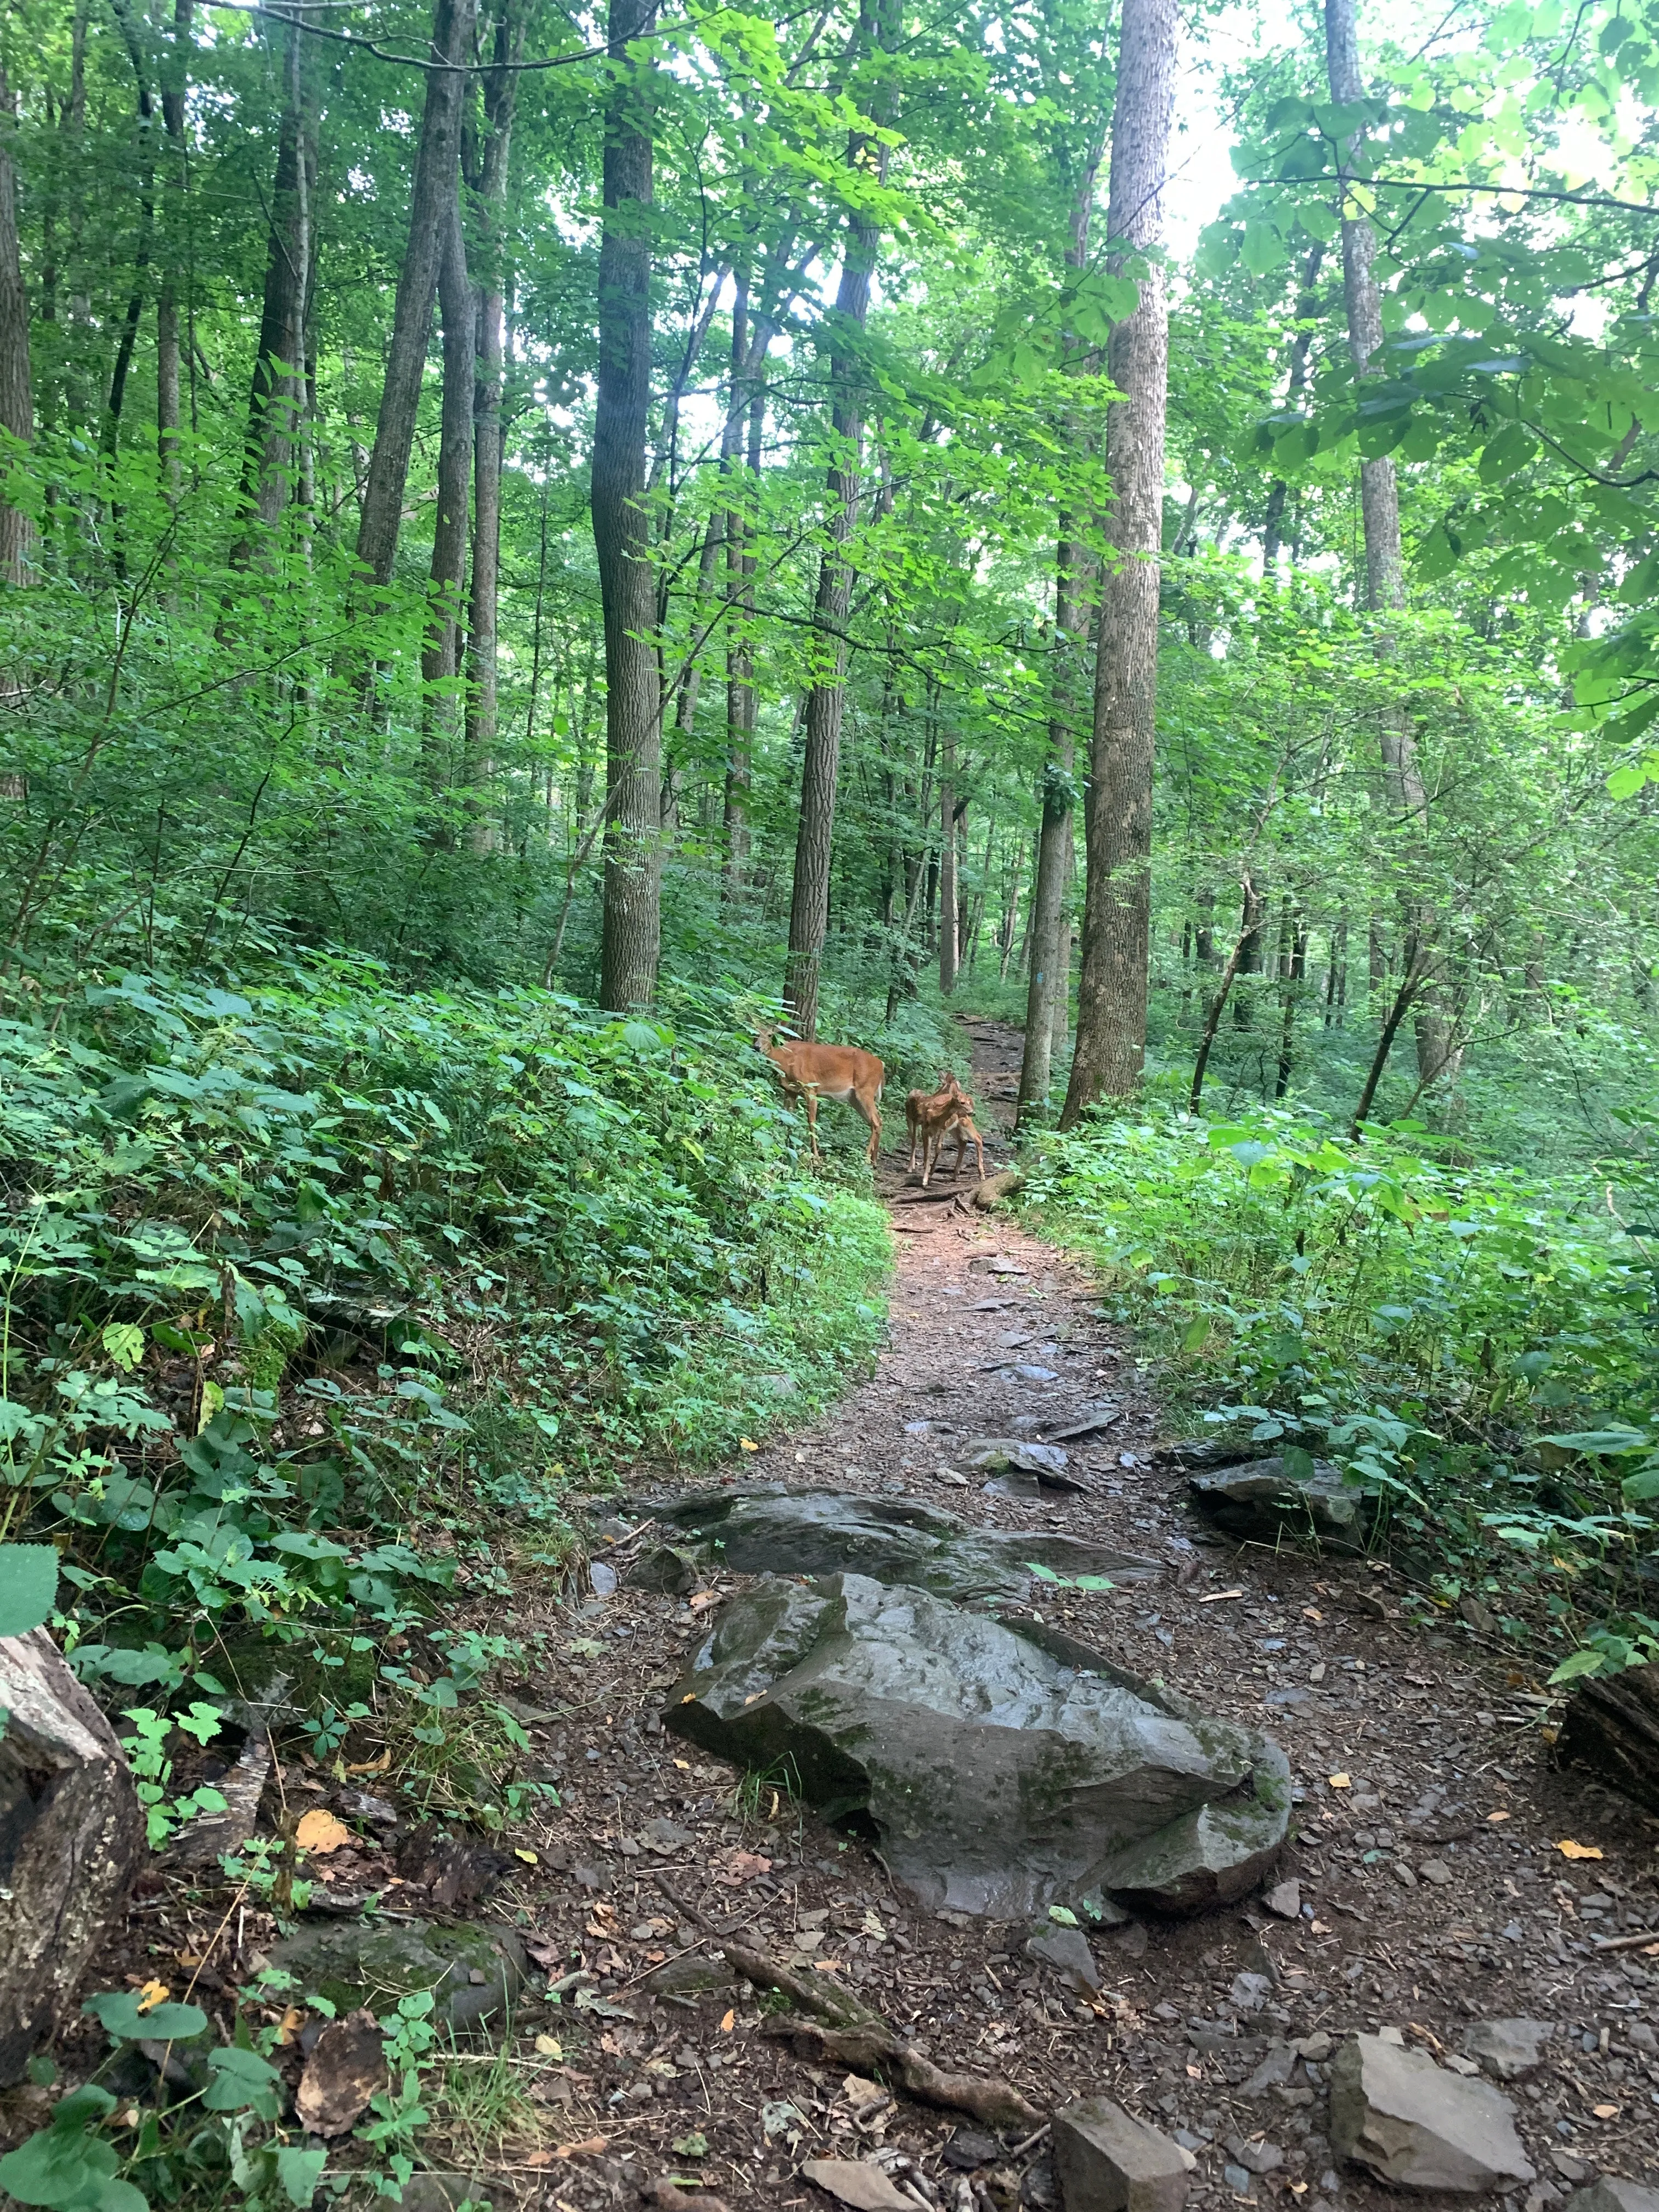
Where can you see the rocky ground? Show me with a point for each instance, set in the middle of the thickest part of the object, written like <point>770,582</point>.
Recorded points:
<point>1441,1872</point>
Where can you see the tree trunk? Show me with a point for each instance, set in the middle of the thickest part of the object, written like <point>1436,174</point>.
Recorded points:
<point>1074,571</point>
<point>440,652</point>
<point>489,432</point>
<point>127,342</point>
<point>1111,1037</point>
<point>1379,500</point>
<point>949,948</point>
<point>1250,949</point>
<point>1292,968</point>
<point>431,197</point>
<point>168,354</point>
<point>740,569</point>
<point>809,904</point>
<point>622,536</point>
<point>1251,908</point>
<point>17,391</point>
<point>270,447</point>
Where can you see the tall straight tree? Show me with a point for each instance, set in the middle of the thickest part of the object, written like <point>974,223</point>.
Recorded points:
<point>440,654</point>
<point>432,197</point>
<point>1050,979</point>
<point>175,86</point>
<point>631,927</point>
<point>17,391</point>
<point>1111,1020</point>
<point>741,567</point>
<point>489,432</point>
<point>1437,1056</point>
<point>270,450</point>
<point>809,903</point>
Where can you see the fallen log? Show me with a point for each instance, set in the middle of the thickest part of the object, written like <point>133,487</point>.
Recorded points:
<point>990,1193</point>
<point>74,1837</point>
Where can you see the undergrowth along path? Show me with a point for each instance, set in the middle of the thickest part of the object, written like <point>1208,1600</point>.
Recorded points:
<point>1426,1845</point>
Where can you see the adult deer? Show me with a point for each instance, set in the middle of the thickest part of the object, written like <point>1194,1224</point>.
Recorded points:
<point>932,1117</point>
<point>814,1071</point>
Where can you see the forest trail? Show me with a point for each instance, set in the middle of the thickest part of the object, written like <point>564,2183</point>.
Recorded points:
<point>1433,1890</point>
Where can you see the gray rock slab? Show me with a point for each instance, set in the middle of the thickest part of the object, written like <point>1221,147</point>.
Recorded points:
<point>1509,2050</point>
<point>1109,2161</point>
<point>1612,2194</point>
<point>355,1963</point>
<point>1067,1950</point>
<point>1262,1498</point>
<point>773,1530</point>
<point>1006,1768</point>
<point>1418,2126</point>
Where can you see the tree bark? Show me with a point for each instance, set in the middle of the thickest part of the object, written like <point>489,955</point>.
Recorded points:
<point>16,388</point>
<point>127,342</point>
<point>631,931</point>
<point>1111,1032</point>
<point>489,432</point>
<point>75,1838</point>
<point>270,446</point>
<point>1074,609</point>
<point>949,942</point>
<point>1379,502</point>
<point>168,353</point>
<point>809,904</point>
<point>431,197</point>
<point>440,652</point>
<point>1251,908</point>
<point>740,569</point>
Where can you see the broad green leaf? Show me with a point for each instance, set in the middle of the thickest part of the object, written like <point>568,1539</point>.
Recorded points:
<point>28,1586</point>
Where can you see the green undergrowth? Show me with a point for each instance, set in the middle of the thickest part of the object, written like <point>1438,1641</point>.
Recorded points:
<point>1476,1347</point>
<point>320,1295</point>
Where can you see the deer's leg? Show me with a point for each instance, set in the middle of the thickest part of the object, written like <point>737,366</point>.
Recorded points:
<point>866,1106</point>
<point>812,1097</point>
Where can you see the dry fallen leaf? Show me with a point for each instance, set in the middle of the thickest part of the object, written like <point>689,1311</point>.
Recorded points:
<point>589,2146</point>
<point>729,2023</point>
<point>1339,1781</point>
<point>154,1993</point>
<point>1215,1597</point>
<point>529,1858</point>
<point>380,1765</point>
<point>346,2065</point>
<point>1498,1816</point>
<point>1569,1849</point>
<point>540,2158</point>
<point>1605,2112</point>
<point>549,2047</point>
<point>292,2021</point>
<point>320,1832</point>
<point>746,1444</point>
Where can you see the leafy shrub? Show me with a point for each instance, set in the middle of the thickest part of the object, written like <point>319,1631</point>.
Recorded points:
<point>294,1268</point>
<point>1458,1338</point>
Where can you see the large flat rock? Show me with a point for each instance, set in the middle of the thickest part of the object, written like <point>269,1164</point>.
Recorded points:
<point>1263,1500</point>
<point>772,1530</point>
<point>1418,2126</point>
<point>1002,1769</point>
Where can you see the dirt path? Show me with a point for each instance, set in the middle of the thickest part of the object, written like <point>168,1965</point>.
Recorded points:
<point>1433,1890</point>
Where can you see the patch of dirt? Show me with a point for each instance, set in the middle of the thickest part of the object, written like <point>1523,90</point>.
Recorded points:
<point>1426,1845</point>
